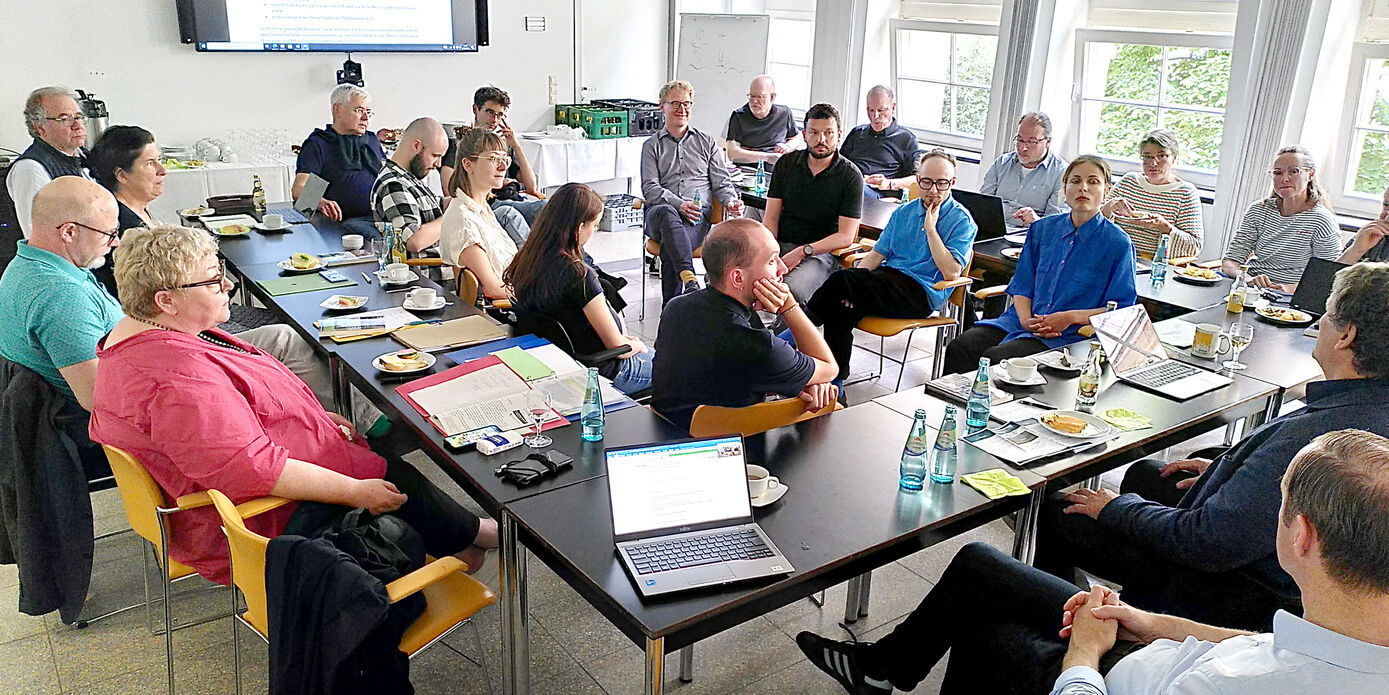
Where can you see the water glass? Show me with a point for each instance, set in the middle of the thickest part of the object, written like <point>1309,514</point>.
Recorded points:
<point>382,253</point>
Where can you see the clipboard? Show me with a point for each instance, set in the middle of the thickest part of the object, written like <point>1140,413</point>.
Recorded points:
<point>469,330</point>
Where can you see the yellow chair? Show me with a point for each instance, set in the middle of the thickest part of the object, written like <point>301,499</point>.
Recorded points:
<point>651,248</point>
<point>470,290</point>
<point>146,510</point>
<point>948,323</point>
<point>715,420</point>
<point>451,596</point>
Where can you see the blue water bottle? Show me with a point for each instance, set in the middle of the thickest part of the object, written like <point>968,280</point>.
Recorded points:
<point>1159,271</point>
<point>913,472</point>
<point>759,186</point>
<point>943,454</point>
<point>977,409</point>
<point>591,417</point>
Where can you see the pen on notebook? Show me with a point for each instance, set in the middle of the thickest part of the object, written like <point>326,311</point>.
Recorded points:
<point>367,278</point>
<point>421,323</point>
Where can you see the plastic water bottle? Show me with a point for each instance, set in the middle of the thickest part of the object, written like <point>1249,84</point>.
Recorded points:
<point>1158,275</point>
<point>913,472</point>
<point>977,408</point>
<point>591,416</point>
<point>943,454</point>
<point>699,216</point>
<point>759,186</point>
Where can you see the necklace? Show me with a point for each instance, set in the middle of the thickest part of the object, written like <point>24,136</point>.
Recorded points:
<point>202,335</point>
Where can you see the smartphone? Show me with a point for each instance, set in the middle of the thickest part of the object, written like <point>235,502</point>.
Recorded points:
<point>332,275</point>
<point>459,442</point>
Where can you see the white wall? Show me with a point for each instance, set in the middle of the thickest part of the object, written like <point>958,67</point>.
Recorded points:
<point>128,52</point>
<point>623,48</point>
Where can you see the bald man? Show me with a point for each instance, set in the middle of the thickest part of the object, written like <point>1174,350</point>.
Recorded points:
<point>400,195</point>
<point>761,130</point>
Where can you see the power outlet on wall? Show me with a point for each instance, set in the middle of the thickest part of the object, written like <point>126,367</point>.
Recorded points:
<point>553,90</point>
<point>535,24</point>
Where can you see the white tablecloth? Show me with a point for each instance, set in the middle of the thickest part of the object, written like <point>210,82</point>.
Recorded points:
<point>186,188</point>
<point>557,162</point>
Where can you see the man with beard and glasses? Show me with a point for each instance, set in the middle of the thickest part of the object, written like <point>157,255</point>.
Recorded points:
<point>400,195</point>
<point>814,204</point>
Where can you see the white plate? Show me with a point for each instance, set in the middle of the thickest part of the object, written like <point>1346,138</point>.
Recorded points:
<point>1194,280</point>
<point>770,496</point>
<point>439,303</point>
<point>1094,427</point>
<point>1266,313</point>
<point>1001,374</point>
<point>286,227</point>
<point>425,357</point>
<point>386,280</point>
<point>332,304</point>
<point>189,212</point>
<point>288,267</point>
<point>1011,253</point>
<point>1052,360</point>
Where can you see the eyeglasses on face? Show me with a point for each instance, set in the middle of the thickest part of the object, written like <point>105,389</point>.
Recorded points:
<point>681,105</point>
<point>759,97</point>
<point>67,121</point>
<point>362,111</point>
<point>501,161</point>
<point>1290,171</point>
<point>493,112</point>
<point>216,281</point>
<point>1160,158</point>
<point>1033,142</point>
<point>111,236</point>
<point>938,184</point>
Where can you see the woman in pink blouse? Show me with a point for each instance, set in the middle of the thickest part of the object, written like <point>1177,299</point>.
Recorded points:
<point>203,410</point>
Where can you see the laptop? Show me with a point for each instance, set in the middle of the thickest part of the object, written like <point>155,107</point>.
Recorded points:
<point>682,517</point>
<point>1137,357</point>
<point>987,211</point>
<point>302,209</point>
<point>1314,287</point>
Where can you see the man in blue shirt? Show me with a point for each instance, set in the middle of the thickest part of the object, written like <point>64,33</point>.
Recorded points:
<point>1028,179</point>
<point>348,155</point>
<point>1203,547</point>
<point>1014,629</point>
<point>883,151</point>
<point>924,243</point>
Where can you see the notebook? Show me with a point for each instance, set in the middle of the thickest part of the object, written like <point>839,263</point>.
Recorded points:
<point>469,330</point>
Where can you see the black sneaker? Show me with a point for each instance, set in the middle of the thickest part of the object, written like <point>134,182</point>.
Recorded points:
<point>691,286</point>
<point>840,660</point>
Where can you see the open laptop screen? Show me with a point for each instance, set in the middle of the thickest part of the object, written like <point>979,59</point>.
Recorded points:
<point>987,211</point>
<point>677,486</point>
<point>1130,341</point>
<point>1314,288</point>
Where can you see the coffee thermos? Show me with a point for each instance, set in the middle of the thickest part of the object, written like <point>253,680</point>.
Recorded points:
<point>97,118</point>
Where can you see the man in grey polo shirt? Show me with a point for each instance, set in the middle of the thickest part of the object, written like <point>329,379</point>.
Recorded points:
<point>1029,178</point>
<point>679,165</point>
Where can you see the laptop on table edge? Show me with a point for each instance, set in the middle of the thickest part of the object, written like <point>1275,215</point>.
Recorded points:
<point>1137,357</point>
<point>686,492</point>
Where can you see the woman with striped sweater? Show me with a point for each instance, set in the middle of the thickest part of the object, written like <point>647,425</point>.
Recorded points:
<point>1281,232</point>
<point>1155,203</point>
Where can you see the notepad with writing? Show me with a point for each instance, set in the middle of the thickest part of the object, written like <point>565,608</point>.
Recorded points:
<point>469,330</point>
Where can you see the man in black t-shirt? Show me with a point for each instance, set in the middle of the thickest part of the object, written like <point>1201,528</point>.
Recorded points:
<point>814,204</point>
<point>712,348</point>
<point>760,130</point>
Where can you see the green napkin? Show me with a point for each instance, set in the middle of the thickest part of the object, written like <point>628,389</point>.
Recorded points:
<point>995,483</point>
<point>295,284</point>
<point>526,365</point>
<point>1126,419</point>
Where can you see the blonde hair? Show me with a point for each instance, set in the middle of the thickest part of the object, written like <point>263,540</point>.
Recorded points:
<point>158,258</point>
<point>673,85</point>
<point>1315,194</point>
<point>471,143</point>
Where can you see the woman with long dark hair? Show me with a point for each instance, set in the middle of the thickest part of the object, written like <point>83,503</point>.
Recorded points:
<point>550,278</point>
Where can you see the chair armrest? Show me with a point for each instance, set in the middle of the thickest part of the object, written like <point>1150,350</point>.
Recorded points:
<point>1180,260</point>
<point>1086,331</point>
<point>855,247</point>
<point>260,505</point>
<point>638,204</point>
<point>990,292</point>
<point>192,500</point>
<point>868,242</point>
<point>963,281</point>
<point>597,358</point>
<point>424,261</point>
<point>419,579</point>
<point>500,303</point>
<point>536,194</point>
<point>852,259</point>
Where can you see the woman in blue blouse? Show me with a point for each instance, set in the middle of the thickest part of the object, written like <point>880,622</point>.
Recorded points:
<point>1071,266</point>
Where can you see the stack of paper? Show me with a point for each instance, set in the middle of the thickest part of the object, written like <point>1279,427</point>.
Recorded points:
<point>367,323</point>
<point>478,394</point>
<point>1027,440</point>
<point>348,257</point>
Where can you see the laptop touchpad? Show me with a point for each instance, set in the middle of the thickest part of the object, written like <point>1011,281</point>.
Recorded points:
<point>698,576</point>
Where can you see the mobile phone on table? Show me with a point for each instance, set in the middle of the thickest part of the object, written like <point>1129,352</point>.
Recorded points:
<point>332,275</point>
<point>459,442</point>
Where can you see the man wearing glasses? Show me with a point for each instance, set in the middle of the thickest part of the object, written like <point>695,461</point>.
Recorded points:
<point>923,243</point>
<point>761,130</point>
<point>1029,178</point>
<point>680,165</point>
<point>883,151</point>
<point>348,156</point>
<point>59,129</point>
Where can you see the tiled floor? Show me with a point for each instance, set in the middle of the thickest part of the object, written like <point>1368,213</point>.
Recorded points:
<point>575,651</point>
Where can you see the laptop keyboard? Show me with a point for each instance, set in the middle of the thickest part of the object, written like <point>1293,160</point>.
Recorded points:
<point>1163,373</point>
<point>690,551</point>
<point>291,215</point>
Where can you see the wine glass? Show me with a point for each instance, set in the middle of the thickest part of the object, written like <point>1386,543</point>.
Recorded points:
<point>539,405</point>
<point>1241,334</point>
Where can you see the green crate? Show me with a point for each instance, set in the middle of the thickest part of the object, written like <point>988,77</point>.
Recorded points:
<point>568,114</point>
<point>603,123</point>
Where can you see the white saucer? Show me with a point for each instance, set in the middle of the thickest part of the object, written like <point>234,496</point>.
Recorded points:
<point>439,303</point>
<point>425,357</point>
<point>1000,374</point>
<point>1052,360</point>
<point>288,267</point>
<point>331,303</point>
<point>282,228</point>
<point>1011,252</point>
<point>386,280</point>
<point>1094,426</point>
<point>1017,239</point>
<point>770,496</point>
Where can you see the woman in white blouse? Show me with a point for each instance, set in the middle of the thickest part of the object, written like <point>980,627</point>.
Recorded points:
<point>470,236</point>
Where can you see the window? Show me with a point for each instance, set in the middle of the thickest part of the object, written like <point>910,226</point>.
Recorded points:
<point>942,73</point>
<point>1367,173</point>
<point>1131,83</point>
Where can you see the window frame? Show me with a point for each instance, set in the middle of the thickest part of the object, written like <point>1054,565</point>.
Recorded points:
<point>784,16</point>
<point>1339,175</point>
<point>1166,39</point>
<point>938,137</point>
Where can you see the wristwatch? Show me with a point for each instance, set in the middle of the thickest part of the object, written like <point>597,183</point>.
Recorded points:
<point>809,250</point>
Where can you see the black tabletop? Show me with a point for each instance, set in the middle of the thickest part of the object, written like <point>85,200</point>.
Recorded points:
<point>1279,355</point>
<point>1173,421</point>
<point>843,514</point>
<point>322,236</point>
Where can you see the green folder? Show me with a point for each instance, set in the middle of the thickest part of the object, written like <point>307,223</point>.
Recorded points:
<point>295,284</point>
<point>526,365</point>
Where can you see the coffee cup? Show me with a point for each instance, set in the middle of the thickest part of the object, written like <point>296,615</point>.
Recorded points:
<point>1206,343</point>
<point>760,481</point>
<point>272,220</point>
<point>398,272</point>
<point>423,296</point>
<point>1020,368</point>
<point>352,242</point>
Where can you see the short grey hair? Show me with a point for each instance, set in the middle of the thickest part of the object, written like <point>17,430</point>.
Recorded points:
<point>1359,297</point>
<point>1040,118</point>
<point>151,260</point>
<point>33,106</point>
<point>1163,138</point>
<point>885,91</point>
<point>343,93</point>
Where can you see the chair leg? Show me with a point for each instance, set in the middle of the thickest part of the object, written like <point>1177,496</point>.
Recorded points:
<point>906,354</point>
<point>168,610</point>
<point>687,664</point>
<point>236,643</point>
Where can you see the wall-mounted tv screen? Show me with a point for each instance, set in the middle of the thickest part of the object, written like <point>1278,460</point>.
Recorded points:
<point>340,25</point>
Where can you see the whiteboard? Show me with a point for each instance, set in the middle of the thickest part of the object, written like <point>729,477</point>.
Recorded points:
<point>720,54</point>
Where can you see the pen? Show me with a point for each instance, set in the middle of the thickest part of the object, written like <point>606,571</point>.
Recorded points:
<point>365,277</point>
<point>421,323</point>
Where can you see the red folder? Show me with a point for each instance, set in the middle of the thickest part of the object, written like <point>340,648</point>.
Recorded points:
<point>453,373</point>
